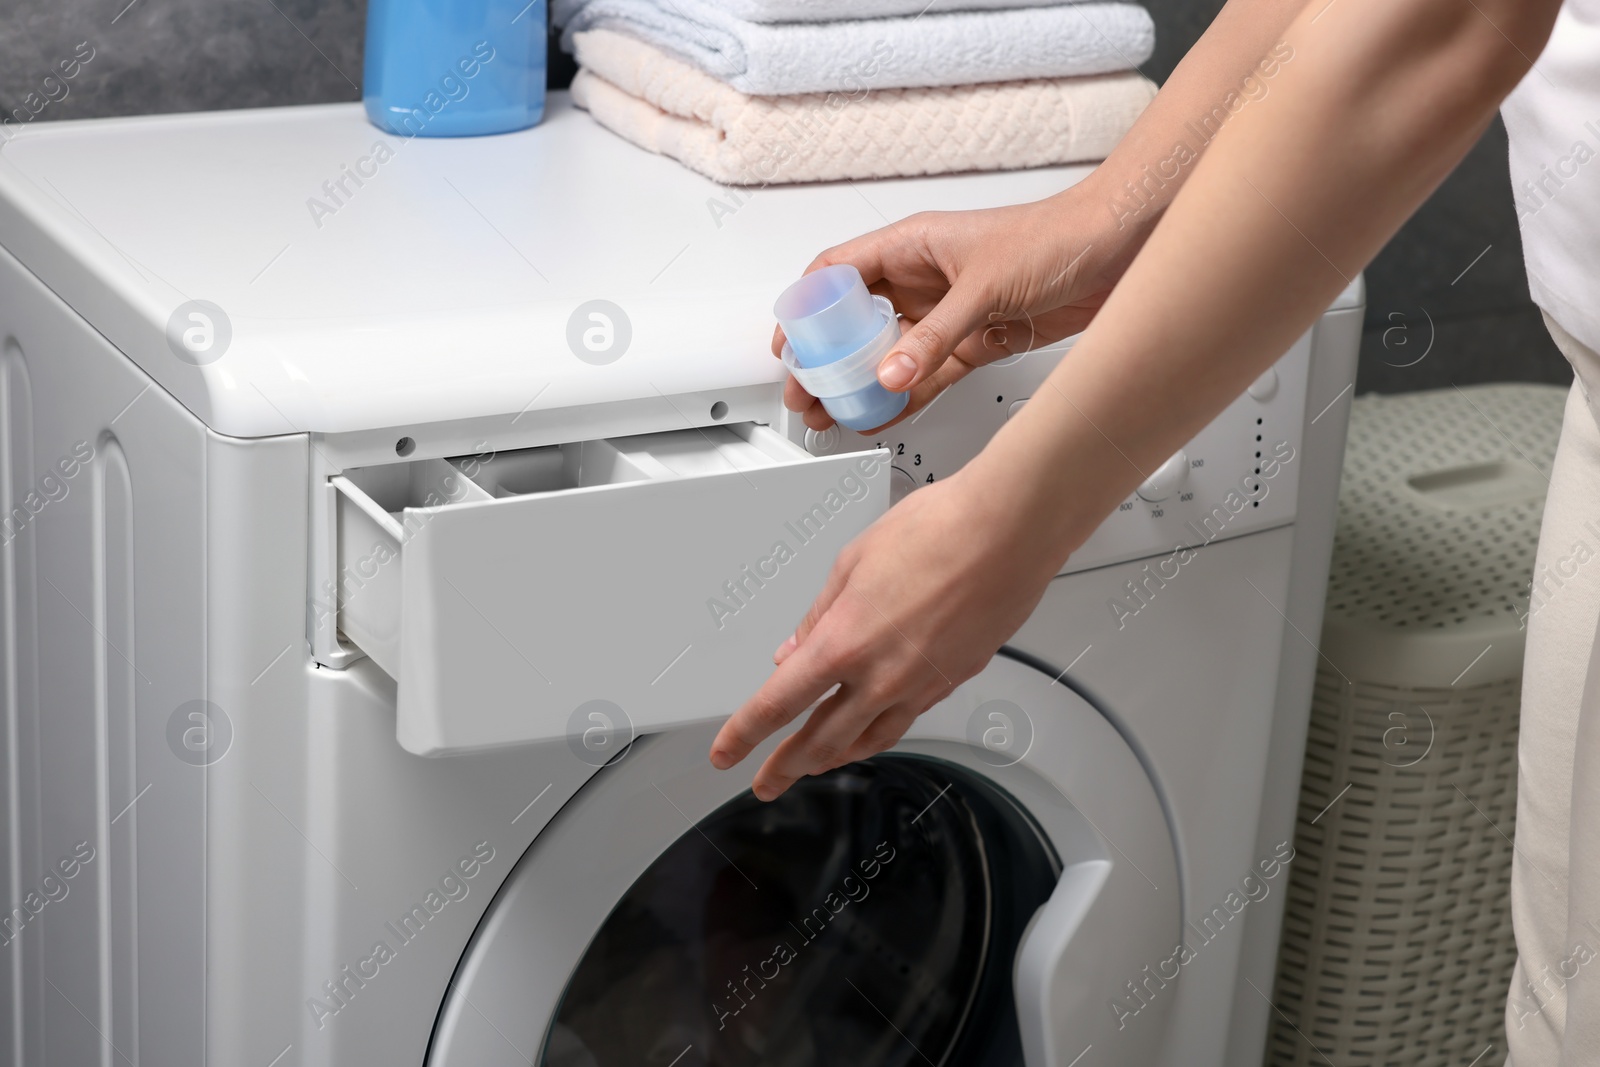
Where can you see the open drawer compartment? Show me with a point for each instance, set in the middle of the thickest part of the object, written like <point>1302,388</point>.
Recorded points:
<point>507,593</point>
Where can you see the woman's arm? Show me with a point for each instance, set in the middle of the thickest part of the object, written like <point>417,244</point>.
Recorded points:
<point>1235,64</point>
<point>1295,194</point>
<point>1300,191</point>
<point>978,286</point>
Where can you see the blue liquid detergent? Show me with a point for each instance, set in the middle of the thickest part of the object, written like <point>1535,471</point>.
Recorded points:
<point>837,334</point>
<point>452,68</point>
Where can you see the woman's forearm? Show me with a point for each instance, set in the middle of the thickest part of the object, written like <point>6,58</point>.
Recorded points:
<point>1295,196</point>
<point>1295,193</point>
<point>1233,66</point>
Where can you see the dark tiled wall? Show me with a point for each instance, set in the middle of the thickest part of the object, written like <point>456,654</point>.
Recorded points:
<point>183,55</point>
<point>1450,284</point>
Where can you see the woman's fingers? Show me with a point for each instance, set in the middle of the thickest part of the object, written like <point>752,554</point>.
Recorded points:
<point>838,578</point>
<point>846,728</point>
<point>884,733</point>
<point>930,341</point>
<point>870,254</point>
<point>797,683</point>
<point>796,399</point>
<point>859,719</point>
<point>808,407</point>
<point>807,669</point>
<point>829,732</point>
<point>922,586</point>
<point>927,391</point>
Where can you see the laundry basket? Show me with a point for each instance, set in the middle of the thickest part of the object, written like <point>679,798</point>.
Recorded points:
<point>1397,944</point>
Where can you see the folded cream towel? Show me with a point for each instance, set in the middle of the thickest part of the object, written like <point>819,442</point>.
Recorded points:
<point>667,106</point>
<point>960,48</point>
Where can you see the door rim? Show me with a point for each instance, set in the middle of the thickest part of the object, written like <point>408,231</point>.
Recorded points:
<point>545,914</point>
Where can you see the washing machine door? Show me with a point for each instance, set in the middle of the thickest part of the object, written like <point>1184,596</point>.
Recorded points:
<point>999,889</point>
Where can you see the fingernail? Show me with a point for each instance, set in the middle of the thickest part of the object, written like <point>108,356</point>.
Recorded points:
<point>720,759</point>
<point>784,649</point>
<point>897,371</point>
<point>764,793</point>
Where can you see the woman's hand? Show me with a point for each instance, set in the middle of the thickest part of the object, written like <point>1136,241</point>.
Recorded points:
<point>914,606</point>
<point>1297,193</point>
<point>978,286</point>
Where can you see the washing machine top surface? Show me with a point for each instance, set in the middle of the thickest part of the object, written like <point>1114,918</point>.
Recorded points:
<point>295,269</point>
<point>369,280</point>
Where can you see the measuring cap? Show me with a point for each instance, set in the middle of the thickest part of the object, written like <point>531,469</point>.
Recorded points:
<point>837,333</point>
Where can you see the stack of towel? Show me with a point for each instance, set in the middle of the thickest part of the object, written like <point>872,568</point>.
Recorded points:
<point>756,92</point>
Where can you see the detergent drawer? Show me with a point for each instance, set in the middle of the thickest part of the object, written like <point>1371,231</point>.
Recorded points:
<point>591,590</point>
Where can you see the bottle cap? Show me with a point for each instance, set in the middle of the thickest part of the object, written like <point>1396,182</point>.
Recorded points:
<point>849,388</point>
<point>828,315</point>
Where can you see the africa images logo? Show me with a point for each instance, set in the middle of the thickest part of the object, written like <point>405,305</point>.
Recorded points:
<point>198,332</point>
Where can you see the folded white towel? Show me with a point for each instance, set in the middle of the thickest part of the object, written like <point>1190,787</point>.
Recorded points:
<point>831,10</point>
<point>667,106</point>
<point>963,48</point>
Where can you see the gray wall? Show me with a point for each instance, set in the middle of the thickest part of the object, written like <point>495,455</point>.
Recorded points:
<point>188,55</point>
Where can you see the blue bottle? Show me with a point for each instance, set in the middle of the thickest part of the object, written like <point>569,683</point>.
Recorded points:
<point>453,68</point>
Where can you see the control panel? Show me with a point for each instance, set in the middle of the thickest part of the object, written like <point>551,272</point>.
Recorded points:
<point>1238,475</point>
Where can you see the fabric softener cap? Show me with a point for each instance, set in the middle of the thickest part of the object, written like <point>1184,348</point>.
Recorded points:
<point>828,315</point>
<point>837,334</point>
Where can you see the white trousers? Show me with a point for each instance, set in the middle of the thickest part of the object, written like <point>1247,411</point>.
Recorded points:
<point>1553,1008</point>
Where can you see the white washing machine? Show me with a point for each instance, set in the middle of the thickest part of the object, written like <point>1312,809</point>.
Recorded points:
<point>388,525</point>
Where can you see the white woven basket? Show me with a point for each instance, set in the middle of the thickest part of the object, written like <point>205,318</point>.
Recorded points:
<point>1397,944</point>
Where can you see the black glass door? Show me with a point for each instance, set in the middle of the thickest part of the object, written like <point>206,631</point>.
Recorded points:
<point>868,917</point>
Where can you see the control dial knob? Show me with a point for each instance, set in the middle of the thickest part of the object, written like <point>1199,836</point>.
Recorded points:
<point>1167,479</point>
<point>900,484</point>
